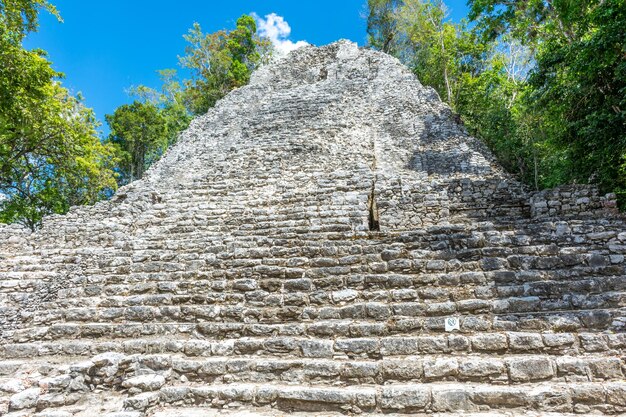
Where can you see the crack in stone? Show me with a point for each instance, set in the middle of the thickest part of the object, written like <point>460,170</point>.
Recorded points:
<point>373,219</point>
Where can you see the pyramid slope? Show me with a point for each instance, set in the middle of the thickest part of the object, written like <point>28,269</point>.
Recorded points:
<point>322,114</point>
<point>301,248</point>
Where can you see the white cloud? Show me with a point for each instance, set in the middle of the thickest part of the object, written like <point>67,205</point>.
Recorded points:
<point>277,29</point>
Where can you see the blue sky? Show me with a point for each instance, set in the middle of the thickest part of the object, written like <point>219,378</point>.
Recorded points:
<point>104,47</point>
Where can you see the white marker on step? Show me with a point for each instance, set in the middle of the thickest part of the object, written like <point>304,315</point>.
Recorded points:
<point>452,323</point>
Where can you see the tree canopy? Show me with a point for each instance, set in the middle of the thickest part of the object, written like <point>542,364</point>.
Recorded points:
<point>220,62</point>
<point>140,133</point>
<point>19,17</point>
<point>50,154</point>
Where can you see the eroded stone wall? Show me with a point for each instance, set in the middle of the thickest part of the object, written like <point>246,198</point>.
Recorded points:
<point>573,201</point>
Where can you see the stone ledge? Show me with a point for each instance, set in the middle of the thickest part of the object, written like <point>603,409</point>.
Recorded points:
<point>569,201</point>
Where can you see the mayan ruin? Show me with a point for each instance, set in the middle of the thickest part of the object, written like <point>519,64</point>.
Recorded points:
<point>327,240</point>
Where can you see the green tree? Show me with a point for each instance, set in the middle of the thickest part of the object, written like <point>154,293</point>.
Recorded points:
<point>140,133</point>
<point>220,62</point>
<point>578,85</point>
<point>50,155</point>
<point>381,24</point>
<point>491,104</point>
<point>170,101</point>
<point>439,51</point>
<point>19,17</point>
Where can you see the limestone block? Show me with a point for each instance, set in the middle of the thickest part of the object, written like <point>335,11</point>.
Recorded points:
<point>148,382</point>
<point>142,401</point>
<point>489,342</point>
<point>24,399</point>
<point>526,369</point>
<point>399,346</point>
<point>344,296</point>
<point>317,348</point>
<point>558,340</point>
<point>525,341</point>
<point>453,399</point>
<point>405,398</point>
<point>170,395</point>
<point>402,370</point>
<point>477,368</point>
<point>440,368</point>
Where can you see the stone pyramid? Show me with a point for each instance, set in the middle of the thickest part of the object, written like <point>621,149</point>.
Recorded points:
<point>327,240</point>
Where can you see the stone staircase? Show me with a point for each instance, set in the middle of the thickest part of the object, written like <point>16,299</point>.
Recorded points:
<point>300,251</point>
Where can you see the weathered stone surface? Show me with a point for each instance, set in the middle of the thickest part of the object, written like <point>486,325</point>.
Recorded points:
<point>452,400</point>
<point>54,414</point>
<point>25,399</point>
<point>142,401</point>
<point>439,368</point>
<point>317,349</point>
<point>489,342</point>
<point>307,245</point>
<point>150,382</point>
<point>405,398</point>
<point>525,341</point>
<point>530,369</point>
<point>482,367</point>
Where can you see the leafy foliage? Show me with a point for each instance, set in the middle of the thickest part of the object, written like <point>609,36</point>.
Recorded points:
<point>140,133</point>
<point>577,89</point>
<point>18,17</point>
<point>381,24</point>
<point>580,81</point>
<point>50,155</point>
<point>440,52</point>
<point>220,62</point>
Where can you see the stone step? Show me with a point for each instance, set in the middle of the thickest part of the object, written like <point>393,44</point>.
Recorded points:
<point>539,298</point>
<point>591,230</point>
<point>469,247</point>
<point>471,244</point>
<point>585,320</point>
<point>503,224</point>
<point>574,263</point>
<point>244,321</point>
<point>608,398</point>
<point>342,235</point>
<point>448,261</point>
<point>65,404</point>
<point>583,294</point>
<point>150,372</point>
<point>294,307</point>
<point>265,342</point>
<point>249,411</point>
<point>511,369</point>
<point>331,292</point>
<point>325,291</point>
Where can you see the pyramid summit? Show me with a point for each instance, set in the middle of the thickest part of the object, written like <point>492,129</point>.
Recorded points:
<point>326,240</point>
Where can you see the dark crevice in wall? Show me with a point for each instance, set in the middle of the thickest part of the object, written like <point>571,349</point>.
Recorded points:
<point>372,215</point>
<point>373,219</point>
<point>322,75</point>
